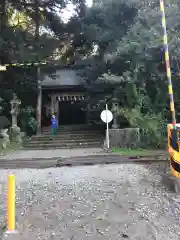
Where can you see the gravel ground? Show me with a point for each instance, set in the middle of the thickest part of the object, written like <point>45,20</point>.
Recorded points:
<point>94,203</point>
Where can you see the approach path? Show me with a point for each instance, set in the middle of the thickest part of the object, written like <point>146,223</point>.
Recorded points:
<point>71,157</point>
<point>102,202</point>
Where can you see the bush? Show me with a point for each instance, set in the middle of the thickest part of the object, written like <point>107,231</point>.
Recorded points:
<point>153,128</point>
<point>27,120</point>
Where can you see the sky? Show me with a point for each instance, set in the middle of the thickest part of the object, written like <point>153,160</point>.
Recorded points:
<point>89,2</point>
<point>69,10</point>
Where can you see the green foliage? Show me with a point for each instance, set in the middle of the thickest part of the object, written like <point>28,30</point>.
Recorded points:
<point>21,21</point>
<point>131,62</point>
<point>27,120</point>
<point>152,127</point>
<point>120,42</point>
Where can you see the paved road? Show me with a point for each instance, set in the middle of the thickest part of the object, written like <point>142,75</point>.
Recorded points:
<point>94,202</point>
<point>70,157</point>
<point>52,153</point>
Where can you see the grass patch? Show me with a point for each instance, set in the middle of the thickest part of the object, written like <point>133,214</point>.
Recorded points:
<point>136,152</point>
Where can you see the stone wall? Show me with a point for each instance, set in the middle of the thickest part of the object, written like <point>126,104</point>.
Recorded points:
<point>124,138</point>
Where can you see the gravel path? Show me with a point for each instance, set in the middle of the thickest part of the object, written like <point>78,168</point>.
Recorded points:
<point>94,203</point>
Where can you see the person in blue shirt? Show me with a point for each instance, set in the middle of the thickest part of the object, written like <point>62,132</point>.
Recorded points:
<point>53,125</point>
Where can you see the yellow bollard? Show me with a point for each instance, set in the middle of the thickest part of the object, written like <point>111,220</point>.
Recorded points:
<point>2,68</point>
<point>11,203</point>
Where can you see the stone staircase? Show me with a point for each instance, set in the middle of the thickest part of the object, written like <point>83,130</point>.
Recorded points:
<point>73,136</point>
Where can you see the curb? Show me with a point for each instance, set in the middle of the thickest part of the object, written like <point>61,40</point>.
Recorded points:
<point>72,162</point>
<point>11,160</point>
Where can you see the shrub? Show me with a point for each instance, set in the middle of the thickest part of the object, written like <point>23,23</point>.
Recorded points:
<point>152,127</point>
<point>27,120</point>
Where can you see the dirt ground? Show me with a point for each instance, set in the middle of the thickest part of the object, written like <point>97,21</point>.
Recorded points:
<point>100,202</point>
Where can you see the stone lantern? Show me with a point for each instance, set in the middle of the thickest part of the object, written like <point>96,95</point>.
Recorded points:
<point>15,102</point>
<point>115,111</point>
<point>15,130</point>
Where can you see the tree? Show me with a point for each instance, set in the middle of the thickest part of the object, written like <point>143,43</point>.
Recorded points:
<point>132,55</point>
<point>18,44</point>
<point>103,26</point>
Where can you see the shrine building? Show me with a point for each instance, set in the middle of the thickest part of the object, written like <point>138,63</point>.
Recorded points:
<point>63,93</point>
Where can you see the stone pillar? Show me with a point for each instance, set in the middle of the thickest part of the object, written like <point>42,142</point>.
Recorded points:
<point>88,113</point>
<point>57,109</point>
<point>39,103</point>
<point>53,103</point>
<point>114,111</point>
<point>55,106</point>
<point>15,130</point>
<point>88,108</point>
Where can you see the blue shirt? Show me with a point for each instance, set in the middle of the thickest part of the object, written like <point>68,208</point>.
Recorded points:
<point>53,122</point>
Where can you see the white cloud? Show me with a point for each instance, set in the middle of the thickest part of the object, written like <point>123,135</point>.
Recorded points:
<point>68,12</point>
<point>89,3</point>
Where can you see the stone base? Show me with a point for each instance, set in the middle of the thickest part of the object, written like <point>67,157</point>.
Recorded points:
<point>4,141</point>
<point>124,138</point>
<point>11,235</point>
<point>15,134</point>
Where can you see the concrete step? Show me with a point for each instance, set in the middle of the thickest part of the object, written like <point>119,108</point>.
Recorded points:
<point>73,131</point>
<point>79,126</point>
<point>59,141</point>
<point>56,147</point>
<point>69,135</point>
<point>63,145</point>
<point>76,127</point>
<point>71,125</point>
<point>64,141</point>
<point>74,136</point>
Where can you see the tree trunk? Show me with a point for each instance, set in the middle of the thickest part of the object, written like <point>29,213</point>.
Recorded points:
<point>39,87</point>
<point>3,24</point>
<point>39,102</point>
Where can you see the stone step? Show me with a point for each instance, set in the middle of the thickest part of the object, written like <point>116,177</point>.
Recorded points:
<point>47,137</point>
<point>74,136</point>
<point>63,140</point>
<point>72,125</point>
<point>57,147</point>
<point>63,146</point>
<point>69,135</point>
<point>73,131</point>
<point>84,127</point>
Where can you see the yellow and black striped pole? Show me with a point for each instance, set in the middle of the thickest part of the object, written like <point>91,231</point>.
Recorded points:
<point>168,68</point>
<point>173,129</point>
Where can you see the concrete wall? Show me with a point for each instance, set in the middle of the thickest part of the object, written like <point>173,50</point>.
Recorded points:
<point>124,138</point>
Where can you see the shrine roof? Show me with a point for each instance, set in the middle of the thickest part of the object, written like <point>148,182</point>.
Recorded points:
<point>63,77</point>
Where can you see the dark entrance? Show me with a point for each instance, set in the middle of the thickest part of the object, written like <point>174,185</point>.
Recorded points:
<point>71,113</point>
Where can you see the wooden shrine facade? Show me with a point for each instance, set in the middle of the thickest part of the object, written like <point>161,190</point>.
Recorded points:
<point>63,94</point>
